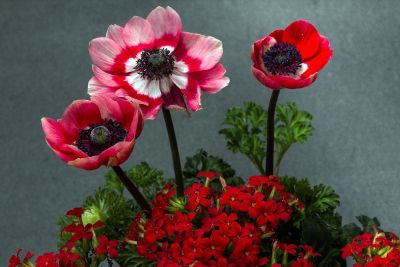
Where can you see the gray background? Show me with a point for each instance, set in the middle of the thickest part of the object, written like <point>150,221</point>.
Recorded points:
<point>45,65</point>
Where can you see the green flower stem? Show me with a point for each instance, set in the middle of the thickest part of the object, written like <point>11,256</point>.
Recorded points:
<point>174,151</point>
<point>137,195</point>
<point>269,162</point>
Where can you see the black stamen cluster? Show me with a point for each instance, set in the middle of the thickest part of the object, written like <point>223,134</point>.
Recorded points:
<point>282,59</point>
<point>117,133</point>
<point>155,64</point>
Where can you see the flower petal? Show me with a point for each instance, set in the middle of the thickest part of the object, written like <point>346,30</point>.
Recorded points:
<point>199,52</point>
<point>316,63</point>
<point>193,95</point>
<point>265,79</point>
<point>108,79</point>
<point>114,32</point>
<point>87,163</point>
<point>117,154</point>
<point>174,99</point>
<point>212,80</point>
<point>132,118</point>
<point>304,35</point>
<point>54,133</point>
<point>291,83</point>
<point>167,26</point>
<point>108,55</point>
<point>138,35</point>
<point>79,115</point>
<point>109,108</point>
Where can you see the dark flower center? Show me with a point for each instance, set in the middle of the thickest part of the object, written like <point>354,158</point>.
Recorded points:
<point>98,137</point>
<point>155,64</point>
<point>282,59</point>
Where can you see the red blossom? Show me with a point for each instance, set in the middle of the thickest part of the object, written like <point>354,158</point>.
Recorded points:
<point>107,247</point>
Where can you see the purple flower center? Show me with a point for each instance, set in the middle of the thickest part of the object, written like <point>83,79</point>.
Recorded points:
<point>155,64</point>
<point>98,137</point>
<point>282,59</point>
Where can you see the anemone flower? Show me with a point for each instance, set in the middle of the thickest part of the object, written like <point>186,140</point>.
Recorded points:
<point>157,64</point>
<point>290,58</point>
<point>91,133</point>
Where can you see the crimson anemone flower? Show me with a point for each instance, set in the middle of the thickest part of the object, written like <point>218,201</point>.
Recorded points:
<point>152,61</point>
<point>91,133</point>
<point>290,58</point>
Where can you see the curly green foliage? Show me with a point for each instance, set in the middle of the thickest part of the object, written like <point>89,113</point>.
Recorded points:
<point>319,224</point>
<point>291,126</point>
<point>245,131</point>
<point>149,180</point>
<point>204,162</point>
<point>130,258</point>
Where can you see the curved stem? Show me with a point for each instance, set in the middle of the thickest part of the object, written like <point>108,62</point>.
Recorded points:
<point>137,195</point>
<point>174,151</point>
<point>269,164</point>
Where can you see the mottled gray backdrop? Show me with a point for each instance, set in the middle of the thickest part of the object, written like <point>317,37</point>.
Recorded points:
<point>44,65</point>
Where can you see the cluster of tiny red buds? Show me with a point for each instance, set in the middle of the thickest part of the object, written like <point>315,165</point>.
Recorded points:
<point>207,228</point>
<point>369,250</point>
<point>78,236</point>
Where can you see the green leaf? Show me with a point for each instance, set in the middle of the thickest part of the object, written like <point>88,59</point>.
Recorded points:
<point>245,131</point>
<point>149,180</point>
<point>202,161</point>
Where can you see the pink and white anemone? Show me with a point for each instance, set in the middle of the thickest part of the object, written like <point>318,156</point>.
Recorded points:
<point>155,63</point>
<point>96,132</point>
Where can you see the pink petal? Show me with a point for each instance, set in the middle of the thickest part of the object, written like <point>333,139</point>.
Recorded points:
<point>138,35</point>
<point>108,79</point>
<point>109,108</point>
<point>114,32</point>
<point>87,163</point>
<point>117,154</point>
<point>266,80</point>
<point>212,80</point>
<point>316,63</point>
<point>108,55</point>
<point>151,110</point>
<point>304,35</point>
<point>193,95</point>
<point>167,26</point>
<point>55,133</point>
<point>79,115</point>
<point>96,87</point>
<point>174,99</point>
<point>199,52</point>
<point>132,118</point>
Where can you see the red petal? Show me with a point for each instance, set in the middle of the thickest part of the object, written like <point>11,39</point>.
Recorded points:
<point>304,35</point>
<point>79,115</point>
<point>266,80</point>
<point>316,63</point>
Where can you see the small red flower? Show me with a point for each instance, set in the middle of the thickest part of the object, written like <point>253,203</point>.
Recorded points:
<point>107,247</point>
<point>96,132</point>
<point>198,195</point>
<point>47,260</point>
<point>15,260</point>
<point>76,212</point>
<point>290,58</point>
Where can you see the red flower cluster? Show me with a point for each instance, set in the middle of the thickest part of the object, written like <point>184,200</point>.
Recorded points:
<point>213,228</point>
<point>69,255</point>
<point>376,250</point>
